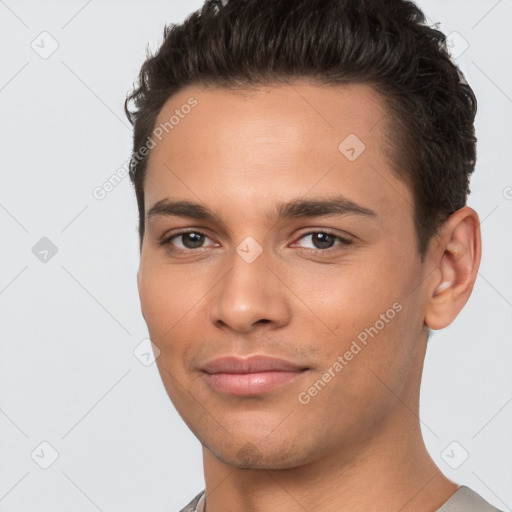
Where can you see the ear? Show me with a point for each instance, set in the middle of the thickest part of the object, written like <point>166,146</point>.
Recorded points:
<point>457,255</point>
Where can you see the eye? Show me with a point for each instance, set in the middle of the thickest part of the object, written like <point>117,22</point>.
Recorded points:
<point>187,240</point>
<point>323,240</point>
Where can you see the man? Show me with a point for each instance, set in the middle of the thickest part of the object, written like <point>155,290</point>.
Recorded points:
<point>301,170</point>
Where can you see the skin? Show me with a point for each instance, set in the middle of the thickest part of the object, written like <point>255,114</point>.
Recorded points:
<point>357,444</point>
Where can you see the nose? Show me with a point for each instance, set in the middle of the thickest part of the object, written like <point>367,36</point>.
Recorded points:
<point>250,295</point>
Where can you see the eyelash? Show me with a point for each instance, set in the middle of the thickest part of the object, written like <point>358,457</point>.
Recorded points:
<point>343,241</point>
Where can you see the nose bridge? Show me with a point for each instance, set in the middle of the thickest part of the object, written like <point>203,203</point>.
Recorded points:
<point>250,292</point>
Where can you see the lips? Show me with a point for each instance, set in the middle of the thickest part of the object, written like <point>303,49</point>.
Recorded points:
<point>253,375</point>
<point>253,364</point>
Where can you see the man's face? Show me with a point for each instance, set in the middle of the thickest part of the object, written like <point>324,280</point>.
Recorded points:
<point>339,296</point>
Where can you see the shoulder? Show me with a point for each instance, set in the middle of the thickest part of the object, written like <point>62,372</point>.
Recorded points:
<point>467,500</point>
<point>191,507</point>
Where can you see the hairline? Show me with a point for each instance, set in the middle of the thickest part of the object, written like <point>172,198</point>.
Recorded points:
<point>393,131</point>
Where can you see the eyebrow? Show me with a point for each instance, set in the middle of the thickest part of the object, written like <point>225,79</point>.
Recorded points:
<point>297,208</point>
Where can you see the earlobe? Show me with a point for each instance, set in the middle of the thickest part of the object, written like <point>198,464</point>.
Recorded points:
<point>458,258</point>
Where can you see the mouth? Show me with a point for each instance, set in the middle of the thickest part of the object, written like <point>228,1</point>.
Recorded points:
<point>251,376</point>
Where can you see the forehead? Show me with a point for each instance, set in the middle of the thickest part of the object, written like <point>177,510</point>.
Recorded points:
<point>259,144</point>
<point>294,113</point>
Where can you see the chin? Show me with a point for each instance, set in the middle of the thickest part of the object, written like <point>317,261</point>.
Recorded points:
<point>259,453</point>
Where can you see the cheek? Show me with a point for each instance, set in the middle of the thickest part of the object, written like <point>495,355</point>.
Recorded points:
<point>341,302</point>
<point>379,333</point>
<point>164,314</point>
<point>165,307</point>
<point>370,360</point>
<point>157,304</point>
<point>167,296</point>
<point>365,315</point>
<point>173,304</point>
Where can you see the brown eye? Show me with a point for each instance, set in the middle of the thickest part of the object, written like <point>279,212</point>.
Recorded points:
<point>186,240</point>
<point>323,240</point>
<point>192,240</point>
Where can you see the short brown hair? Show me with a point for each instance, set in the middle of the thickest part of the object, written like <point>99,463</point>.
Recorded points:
<point>385,43</point>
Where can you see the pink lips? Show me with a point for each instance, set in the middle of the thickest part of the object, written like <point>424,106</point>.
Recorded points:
<point>250,376</point>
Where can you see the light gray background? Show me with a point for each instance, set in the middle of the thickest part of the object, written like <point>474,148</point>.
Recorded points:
<point>69,326</point>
